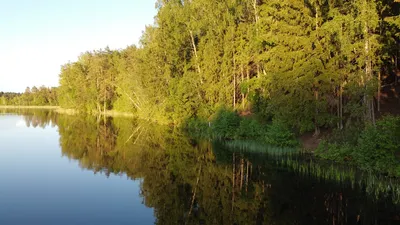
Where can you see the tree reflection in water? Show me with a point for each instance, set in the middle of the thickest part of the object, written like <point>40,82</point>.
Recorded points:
<point>199,182</point>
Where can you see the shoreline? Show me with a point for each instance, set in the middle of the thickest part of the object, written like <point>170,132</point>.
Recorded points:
<point>28,107</point>
<point>306,143</point>
<point>60,110</point>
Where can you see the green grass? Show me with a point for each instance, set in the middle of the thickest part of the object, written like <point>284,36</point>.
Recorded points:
<point>258,147</point>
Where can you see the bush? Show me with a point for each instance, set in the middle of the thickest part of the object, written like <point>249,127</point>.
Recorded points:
<point>250,129</point>
<point>375,148</point>
<point>348,136</point>
<point>333,151</point>
<point>379,146</point>
<point>279,134</point>
<point>225,124</point>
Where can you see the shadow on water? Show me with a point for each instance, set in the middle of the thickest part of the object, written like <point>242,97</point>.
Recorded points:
<point>189,181</point>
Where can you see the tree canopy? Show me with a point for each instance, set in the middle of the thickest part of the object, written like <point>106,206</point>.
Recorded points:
<point>311,64</point>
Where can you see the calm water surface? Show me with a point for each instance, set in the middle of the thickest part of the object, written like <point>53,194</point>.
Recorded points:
<point>58,169</point>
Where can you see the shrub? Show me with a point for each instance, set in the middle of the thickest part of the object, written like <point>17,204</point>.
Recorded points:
<point>334,151</point>
<point>250,129</point>
<point>225,124</point>
<point>375,148</point>
<point>348,136</point>
<point>279,134</point>
<point>379,145</point>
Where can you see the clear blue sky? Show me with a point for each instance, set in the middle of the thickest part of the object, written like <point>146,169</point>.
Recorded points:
<point>38,36</point>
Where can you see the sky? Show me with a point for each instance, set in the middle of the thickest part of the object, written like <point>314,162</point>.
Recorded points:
<point>38,36</point>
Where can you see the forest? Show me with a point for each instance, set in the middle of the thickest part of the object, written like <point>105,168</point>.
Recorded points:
<point>310,64</point>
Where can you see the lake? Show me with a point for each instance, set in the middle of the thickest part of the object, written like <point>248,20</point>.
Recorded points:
<point>60,169</point>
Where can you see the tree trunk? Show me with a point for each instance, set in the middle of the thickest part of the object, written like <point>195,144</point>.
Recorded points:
<point>372,110</point>
<point>368,73</point>
<point>341,106</point>
<point>234,91</point>
<point>317,131</point>
<point>243,99</point>
<point>234,83</point>
<point>255,11</point>
<point>241,173</point>
<point>195,54</point>
<point>97,97</point>
<point>256,24</point>
<point>397,68</point>
<point>379,92</point>
<point>104,114</point>
<point>247,174</point>
<point>248,79</point>
<point>338,106</point>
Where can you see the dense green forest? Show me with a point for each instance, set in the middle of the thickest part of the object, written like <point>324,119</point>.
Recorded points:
<point>310,64</point>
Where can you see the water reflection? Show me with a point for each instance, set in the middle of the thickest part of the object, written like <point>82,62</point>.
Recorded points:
<point>198,182</point>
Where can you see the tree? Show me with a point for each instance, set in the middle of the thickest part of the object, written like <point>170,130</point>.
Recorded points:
<point>309,64</point>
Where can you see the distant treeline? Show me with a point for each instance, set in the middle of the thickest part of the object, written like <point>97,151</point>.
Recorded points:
<point>34,96</point>
<point>309,64</point>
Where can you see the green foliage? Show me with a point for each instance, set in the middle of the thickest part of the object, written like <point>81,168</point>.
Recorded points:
<point>261,107</point>
<point>377,147</point>
<point>3,100</point>
<point>228,125</point>
<point>90,84</point>
<point>349,135</point>
<point>285,60</point>
<point>333,151</point>
<point>42,96</point>
<point>250,129</point>
<point>225,124</point>
<point>279,134</point>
